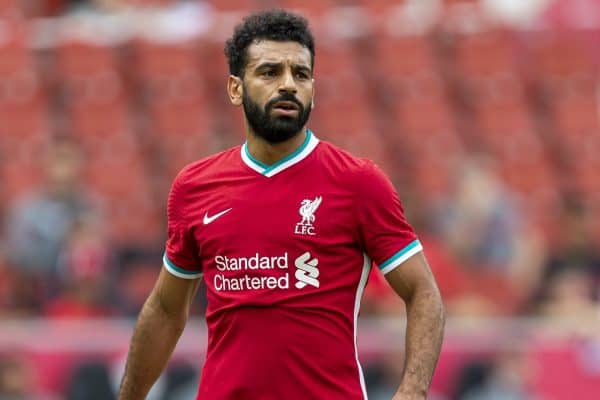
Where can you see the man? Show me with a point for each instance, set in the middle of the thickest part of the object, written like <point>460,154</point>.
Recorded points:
<point>282,230</point>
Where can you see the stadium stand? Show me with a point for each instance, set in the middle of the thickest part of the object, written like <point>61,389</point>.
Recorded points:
<point>423,91</point>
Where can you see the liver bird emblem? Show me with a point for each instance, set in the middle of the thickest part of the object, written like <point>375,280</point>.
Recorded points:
<point>308,209</point>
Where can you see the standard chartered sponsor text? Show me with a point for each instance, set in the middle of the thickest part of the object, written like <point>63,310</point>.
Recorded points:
<point>225,282</point>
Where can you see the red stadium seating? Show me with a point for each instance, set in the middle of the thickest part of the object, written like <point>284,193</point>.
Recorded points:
<point>436,156</point>
<point>560,64</point>
<point>402,59</point>
<point>24,127</point>
<point>572,115</point>
<point>376,8</point>
<point>90,75</point>
<point>20,169</point>
<point>482,54</point>
<point>228,121</point>
<point>20,88</point>
<point>234,5</point>
<point>173,84</point>
<point>342,107</point>
<point>11,9</point>
<point>311,8</point>
<point>122,185</point>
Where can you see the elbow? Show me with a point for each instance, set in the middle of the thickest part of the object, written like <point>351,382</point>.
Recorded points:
<point>438,302</point>
<point>175,318</point>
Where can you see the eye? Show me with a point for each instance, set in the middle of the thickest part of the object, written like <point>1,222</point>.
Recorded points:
<point>268,73</point>
<point>302,75</point>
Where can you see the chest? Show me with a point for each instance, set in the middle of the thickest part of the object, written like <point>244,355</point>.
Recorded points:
<point>248,214</point>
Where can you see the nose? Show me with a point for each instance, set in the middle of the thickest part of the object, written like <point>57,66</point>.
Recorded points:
<point>288,84</point>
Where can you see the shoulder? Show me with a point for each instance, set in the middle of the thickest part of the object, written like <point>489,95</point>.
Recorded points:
<point>355,170</point>
<point>342,161</point>
<point>206,168</point>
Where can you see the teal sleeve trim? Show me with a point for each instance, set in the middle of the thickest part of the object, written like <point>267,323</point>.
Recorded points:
<point>401,256</point>
<point>180,272</point>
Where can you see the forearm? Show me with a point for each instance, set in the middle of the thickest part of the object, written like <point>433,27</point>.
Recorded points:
<point>424,334</point>
<point>155,336</point>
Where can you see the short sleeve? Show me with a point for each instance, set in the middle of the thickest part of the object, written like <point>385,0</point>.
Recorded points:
<point>181,250</point>
<point>385,235</point>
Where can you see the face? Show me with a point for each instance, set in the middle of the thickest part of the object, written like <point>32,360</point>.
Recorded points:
<point>276,90</point>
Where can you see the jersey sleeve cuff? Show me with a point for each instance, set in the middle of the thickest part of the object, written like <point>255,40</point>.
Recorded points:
<point>180,272</point>
<point>394,261</point>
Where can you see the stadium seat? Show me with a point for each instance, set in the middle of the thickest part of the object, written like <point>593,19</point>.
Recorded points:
<point>234,5</point>
<point>174,85</point>
<point>581,157</point>
<point>411,83</point>
<point>404,54</point>
<point>124,190</point>
<point>403,60</point>
<point>20,86</point>
<point>311,8</point>
<point>376,8</point>
<point>342,111</point>
<point>134,220</point>
<point>98,122</point>
<point>89,75</point>
<point>560,64</point>
<point>20,170</point>
<point>341,97</point>
<point>485,53</point>
<point>435,157</point>
<point>423,115</point>
<point>571,115</point>
<point>10,9</point>
<point>555,53</point>
<point>169,72</point>
<point>24,126</point>
<point>228,121</point>
<point>502,117</point>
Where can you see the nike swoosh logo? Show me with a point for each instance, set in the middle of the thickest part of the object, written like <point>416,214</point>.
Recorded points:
<point>208,220</point>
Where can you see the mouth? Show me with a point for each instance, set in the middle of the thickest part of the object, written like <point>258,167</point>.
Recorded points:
<point>286,106</point>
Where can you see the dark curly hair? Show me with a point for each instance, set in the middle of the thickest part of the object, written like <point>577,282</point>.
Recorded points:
<point>278,25</point>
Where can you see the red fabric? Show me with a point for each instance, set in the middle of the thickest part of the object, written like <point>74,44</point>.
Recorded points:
<point>268,342</point>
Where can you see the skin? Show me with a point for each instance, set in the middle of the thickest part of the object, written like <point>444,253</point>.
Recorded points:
<point>415,284</point>
<point>274,68</point>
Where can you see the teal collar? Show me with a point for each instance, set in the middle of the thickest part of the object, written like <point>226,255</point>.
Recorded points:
<point>309,144</point>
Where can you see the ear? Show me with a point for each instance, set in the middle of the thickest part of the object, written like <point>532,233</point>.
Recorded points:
<point>235,90</point>
<point>313,94</point>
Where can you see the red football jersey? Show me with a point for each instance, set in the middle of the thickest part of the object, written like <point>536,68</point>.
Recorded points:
<point>285,251</point>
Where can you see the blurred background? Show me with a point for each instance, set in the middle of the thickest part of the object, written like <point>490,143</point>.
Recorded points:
<point>485,114</point>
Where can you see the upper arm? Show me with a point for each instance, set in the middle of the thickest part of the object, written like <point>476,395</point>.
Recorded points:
<point>182,255</point>
<point>411,275</point>
<point>173,294</point>
<point>384,233</point>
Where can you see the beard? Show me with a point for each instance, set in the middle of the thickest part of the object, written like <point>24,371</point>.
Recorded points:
<point>275,129</point>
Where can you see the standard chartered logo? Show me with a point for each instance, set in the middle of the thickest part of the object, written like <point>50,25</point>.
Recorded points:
<point>258,272</point>
<point>307,272</point>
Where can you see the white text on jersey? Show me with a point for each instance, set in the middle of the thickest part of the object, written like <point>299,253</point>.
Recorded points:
<point>225,263</point>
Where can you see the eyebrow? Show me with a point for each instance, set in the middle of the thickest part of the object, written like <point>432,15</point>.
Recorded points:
<point>276,65</point>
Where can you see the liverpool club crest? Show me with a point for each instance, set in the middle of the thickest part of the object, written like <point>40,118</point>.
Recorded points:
<point>307,212</point>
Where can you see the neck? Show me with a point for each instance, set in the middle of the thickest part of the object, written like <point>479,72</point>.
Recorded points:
<point>269,153</point>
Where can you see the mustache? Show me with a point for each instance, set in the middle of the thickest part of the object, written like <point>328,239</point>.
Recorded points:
<point>284,97</point>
